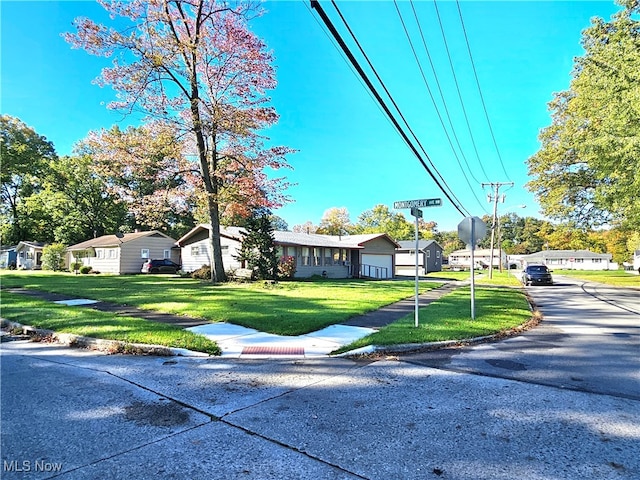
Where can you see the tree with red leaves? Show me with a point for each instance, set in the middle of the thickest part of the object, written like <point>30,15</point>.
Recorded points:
<point>195,65</point>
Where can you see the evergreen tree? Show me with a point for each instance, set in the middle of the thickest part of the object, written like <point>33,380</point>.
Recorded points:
<point>258,246</point>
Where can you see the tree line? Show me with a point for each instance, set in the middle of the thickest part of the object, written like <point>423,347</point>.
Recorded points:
<point>515,235</point>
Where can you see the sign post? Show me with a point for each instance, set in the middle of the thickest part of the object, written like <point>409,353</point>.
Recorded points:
<point>415,206</point>
<point>471,230</point>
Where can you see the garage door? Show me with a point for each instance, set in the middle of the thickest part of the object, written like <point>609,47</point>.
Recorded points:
<point>376,266</point>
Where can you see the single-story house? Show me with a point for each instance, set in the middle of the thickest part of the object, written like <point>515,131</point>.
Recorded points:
<point>481,257</point>
<point>368,256</point>
<point>429,258</point>
<point>121,254</point>
<point>572,259</point>
<point>8,257</point>
<point>29,255</point>
<point>636,260</point>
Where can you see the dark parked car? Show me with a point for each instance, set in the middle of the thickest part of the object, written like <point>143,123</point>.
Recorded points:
<point>537,275</point>
<point>160,266</point>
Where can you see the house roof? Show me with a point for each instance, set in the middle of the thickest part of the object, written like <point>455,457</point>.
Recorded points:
<point>557,254</point>
<point>22,245</point>
<point>113,241</point>
<point>299,239</point>
<point>411,244</point>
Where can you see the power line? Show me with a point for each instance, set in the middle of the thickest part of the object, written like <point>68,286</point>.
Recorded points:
<point>424,78</point>
<point>455,81</point>
<point>316,5</point>
<point>484,106</point>
<point>382,84</point>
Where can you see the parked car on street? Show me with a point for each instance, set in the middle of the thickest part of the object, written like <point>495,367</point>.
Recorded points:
<point>537,275</point>
<point>160,266</point>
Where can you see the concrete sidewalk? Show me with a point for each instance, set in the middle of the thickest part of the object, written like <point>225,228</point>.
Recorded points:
<point>236,341</point>
<point>241,342</point>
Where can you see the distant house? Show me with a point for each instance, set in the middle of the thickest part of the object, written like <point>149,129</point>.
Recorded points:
<point>429,257</point>
<point>367,256</point>
<point>29,255</point>
<point>636,261</point>
<point>112,254</point>
<point>481,256</point>
<point>572,259</point>
<point>8,257</point>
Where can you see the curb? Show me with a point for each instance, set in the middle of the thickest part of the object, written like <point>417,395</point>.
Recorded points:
<point>106,346</point>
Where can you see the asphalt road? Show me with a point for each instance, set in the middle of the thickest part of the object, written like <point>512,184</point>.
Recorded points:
<point>490,412</point>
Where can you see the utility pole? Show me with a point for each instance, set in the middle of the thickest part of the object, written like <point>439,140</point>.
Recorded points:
<point>496,186</point>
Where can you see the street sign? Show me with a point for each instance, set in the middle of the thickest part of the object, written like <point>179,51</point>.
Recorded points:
<point>425,202</point>
<point>465,230</point>
<point>416,212</point>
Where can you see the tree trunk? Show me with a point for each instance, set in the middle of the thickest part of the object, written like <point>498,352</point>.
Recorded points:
<point>217,268</point>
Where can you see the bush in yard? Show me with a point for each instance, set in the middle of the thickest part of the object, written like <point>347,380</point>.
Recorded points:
<point>75,266</point>
<point>85,269</point>
<point>53,257</point>
<point>287,267</point>
<point>203,273</point>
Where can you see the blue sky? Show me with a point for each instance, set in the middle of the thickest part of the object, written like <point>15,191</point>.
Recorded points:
<point>349,153</point>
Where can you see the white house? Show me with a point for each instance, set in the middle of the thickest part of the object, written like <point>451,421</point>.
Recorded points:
<point>481,257</point>
<point>572,259</point>
<point>123,254</point>
<point>370,256</point>
<point>429,257</point>
<point>29,255</point>
<point>636,261</point>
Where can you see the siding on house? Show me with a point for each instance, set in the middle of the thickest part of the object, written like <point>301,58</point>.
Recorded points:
<point>326,255</point>
<point>429,259</point>
<point>572,259</point>
<point>481,257</point>
<point>110,254</point>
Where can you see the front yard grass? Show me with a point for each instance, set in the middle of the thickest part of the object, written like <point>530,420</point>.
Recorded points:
<point>618,278</point>
<point>287,308</point>
<point>449,318</point>
<point>91,323</point>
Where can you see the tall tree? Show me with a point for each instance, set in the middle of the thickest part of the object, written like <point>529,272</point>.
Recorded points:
<point>381,220</point>
<point>25,161</point>
<point>335,221</point>
<point>146,168</point>
<point>197,65</point>
<point>586,170</point>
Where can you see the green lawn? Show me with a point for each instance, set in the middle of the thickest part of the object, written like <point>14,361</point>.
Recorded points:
<point>497,310</point>
<point>617,278</point>
<point>91,323</point>
<point>287,308</point>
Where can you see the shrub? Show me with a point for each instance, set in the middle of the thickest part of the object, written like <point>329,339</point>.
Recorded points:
<point>53,257</point>
<point>203,273</point>
<point>75,266</point>
<point>85,269</point>
<point>287,267</point>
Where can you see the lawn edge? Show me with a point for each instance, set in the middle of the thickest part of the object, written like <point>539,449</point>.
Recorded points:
<point>98,344</point>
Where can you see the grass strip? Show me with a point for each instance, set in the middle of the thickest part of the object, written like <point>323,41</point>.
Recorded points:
<point>91,323</point>
<point>618,278</point>
<point>286,308</point>
<point>449,318</point>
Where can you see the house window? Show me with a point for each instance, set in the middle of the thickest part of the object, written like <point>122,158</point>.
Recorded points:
<point>579,260</point>
<point>344,255</point>
<point>328,258</point>
<point>305,256</point>
<point>596,260</point>
<point>167,254</point>
<point>437,253</point>
<point>113,253</point>
<point>279,251</point>
<point>428,253</point>
<point>100,254</point>
<point>144,253</point>
<point>317,256</point>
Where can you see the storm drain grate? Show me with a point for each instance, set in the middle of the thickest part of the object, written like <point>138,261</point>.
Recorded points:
<point>273,351</point>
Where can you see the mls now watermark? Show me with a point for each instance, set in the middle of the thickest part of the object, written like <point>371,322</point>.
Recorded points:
<point>30,466</point>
